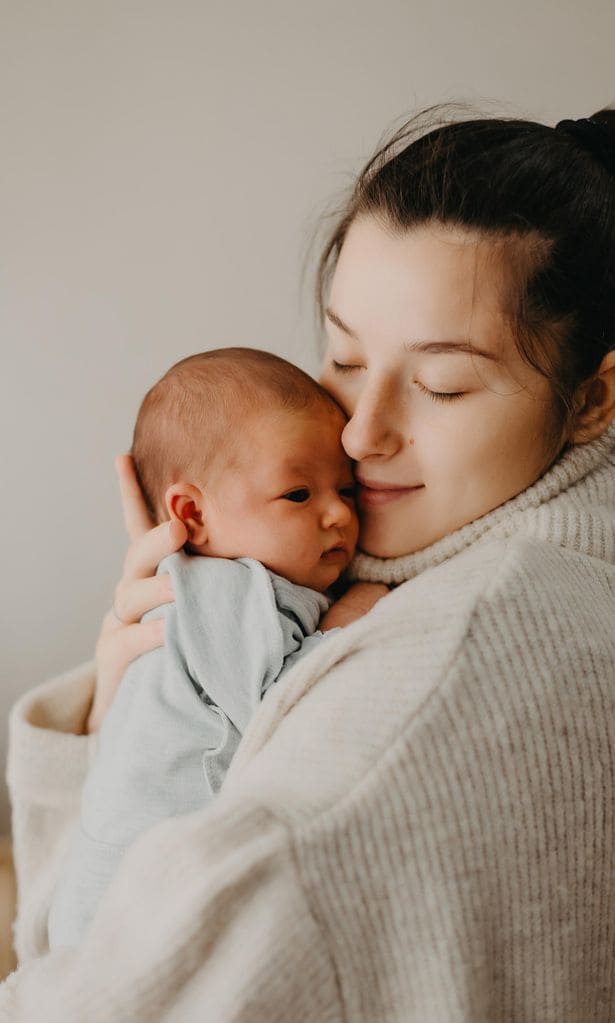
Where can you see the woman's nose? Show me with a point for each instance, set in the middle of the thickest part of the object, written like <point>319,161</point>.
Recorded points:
<point>375,428</point>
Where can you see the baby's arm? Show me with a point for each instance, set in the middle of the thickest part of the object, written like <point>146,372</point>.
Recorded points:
<point>355,603</point>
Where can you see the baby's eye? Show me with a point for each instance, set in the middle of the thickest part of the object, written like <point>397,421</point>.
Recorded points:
<point>348,492</point>
<point>298,496</point>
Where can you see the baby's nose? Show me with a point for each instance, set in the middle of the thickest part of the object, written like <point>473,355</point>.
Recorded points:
<point>337,512</point>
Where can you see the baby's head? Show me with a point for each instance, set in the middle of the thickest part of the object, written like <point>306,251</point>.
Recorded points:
<point>245,449</point>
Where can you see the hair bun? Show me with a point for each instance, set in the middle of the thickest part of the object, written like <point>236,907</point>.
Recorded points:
<point>596,135</point>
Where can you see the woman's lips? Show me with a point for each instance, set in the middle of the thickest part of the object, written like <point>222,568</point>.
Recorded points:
<point>372,494</point>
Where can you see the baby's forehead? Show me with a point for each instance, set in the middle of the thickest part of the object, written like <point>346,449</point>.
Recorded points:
<point>315,464</point>
<point>308,420</point>
<point>300,440</point>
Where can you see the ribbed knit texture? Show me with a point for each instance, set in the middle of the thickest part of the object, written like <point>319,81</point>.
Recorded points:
<point>418,825</point>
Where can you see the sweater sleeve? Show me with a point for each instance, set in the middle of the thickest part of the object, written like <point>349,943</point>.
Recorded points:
<point>48,759</point>
<point>218,929</point>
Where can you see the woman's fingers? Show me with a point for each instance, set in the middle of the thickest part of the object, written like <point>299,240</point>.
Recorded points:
<point>117,646</point>
<point>136,516</point>
<point>123,636</point>
<point>147,551</point>
<point>121,644</point>
<point>134,598</point>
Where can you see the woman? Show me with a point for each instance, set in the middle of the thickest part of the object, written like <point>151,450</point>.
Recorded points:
<point>418,824</point>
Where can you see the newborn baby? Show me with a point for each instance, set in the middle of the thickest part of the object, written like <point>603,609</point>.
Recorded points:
<point>245,449</point>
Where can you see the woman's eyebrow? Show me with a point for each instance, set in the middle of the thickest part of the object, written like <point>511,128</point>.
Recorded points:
<point>449,347</point>
<point>338,321</point>
<point>427,347</point>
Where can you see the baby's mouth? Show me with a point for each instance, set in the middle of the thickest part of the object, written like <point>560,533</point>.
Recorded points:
<point>338,552</point>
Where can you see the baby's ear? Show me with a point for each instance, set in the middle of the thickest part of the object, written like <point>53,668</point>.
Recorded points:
<point>184,503</point>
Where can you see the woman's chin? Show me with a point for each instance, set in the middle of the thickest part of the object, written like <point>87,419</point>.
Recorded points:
<point>382,543</point>
<point>378,547</point>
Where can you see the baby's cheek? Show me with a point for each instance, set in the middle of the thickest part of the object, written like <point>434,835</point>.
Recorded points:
<point>355,526</point>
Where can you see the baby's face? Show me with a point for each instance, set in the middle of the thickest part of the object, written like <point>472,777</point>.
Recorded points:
<point>288,498</point>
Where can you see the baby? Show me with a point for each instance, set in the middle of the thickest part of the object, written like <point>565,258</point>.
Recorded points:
<point>245,449</point>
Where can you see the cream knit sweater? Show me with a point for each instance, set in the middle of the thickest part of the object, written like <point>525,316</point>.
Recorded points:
<point>419,823</point>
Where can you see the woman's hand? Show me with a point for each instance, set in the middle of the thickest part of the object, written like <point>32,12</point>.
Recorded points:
<point>122,636</point>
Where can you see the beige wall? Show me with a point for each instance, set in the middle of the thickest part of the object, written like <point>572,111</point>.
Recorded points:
<point>163,165</point>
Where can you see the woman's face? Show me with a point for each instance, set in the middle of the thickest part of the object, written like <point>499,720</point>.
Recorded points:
<point>446,421</point>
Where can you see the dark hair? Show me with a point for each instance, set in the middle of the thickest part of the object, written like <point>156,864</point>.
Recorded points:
<point>202,406</point>
<point>537,189</point>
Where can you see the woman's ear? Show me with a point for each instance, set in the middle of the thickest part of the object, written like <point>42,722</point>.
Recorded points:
<point>185,503</point>
<point>596,403</point>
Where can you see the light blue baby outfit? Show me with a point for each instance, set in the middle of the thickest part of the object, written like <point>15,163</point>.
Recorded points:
<point>179,713</point>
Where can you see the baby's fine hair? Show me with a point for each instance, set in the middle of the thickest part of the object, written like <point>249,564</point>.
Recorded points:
<point>545,198</point>
<point>202,406</point>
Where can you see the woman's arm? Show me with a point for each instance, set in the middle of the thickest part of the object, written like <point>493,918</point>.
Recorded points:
<point>48,758</point>
<point>51,740</point>
<point>199,923</point>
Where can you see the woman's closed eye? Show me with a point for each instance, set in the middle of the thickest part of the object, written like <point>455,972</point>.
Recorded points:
<point>344,367</point>
<point>442,396</point>
<point>299,496</point>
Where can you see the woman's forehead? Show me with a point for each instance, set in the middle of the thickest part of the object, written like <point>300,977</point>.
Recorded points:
<point>425,253</point>
<point>433,283</point>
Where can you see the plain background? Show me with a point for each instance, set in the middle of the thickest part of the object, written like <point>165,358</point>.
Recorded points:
<point>163,168</point>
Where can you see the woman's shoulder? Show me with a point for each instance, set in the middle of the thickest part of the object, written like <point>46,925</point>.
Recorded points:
<point>519,591</point>
<point>522,561</point>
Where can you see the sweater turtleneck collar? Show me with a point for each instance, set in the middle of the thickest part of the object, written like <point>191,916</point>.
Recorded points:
<point>572,505</point>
